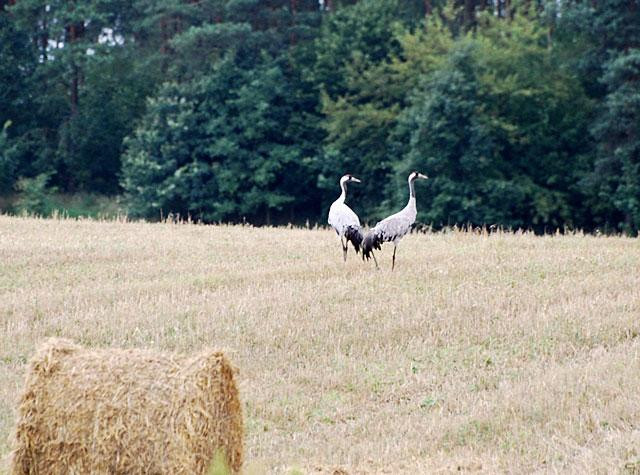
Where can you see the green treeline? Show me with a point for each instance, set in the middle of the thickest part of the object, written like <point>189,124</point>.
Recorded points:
<point>525,114</point>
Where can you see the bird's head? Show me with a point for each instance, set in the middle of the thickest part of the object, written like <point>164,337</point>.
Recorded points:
<point>415,175</point>
<point>348,178</point>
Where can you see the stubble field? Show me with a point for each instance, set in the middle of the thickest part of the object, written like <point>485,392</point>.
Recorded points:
<point>490,353</point>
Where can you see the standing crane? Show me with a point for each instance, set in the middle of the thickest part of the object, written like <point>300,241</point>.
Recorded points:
<point>344,220</point>
<point>393,228</point>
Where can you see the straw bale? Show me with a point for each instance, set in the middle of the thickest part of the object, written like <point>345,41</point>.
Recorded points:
<point>126,411</point>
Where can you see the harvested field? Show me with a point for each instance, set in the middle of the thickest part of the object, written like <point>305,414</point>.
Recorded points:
<point>506,352</point>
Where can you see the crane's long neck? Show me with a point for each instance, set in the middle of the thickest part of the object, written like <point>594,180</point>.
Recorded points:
<point>343,195</point>
<point>412,195</point>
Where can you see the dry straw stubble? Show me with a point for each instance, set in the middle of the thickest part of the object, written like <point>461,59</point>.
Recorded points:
<point>126,411</point>
<point>503,353</point>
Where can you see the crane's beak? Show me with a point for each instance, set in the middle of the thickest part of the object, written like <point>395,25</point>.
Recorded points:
<point>353,178</point>
<point>424,177</point>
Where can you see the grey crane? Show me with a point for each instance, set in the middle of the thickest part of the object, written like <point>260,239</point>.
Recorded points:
<point>393,228</point>
<point>344,220</point>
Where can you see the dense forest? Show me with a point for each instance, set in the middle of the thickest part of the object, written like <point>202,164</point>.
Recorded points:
<point>525,114</point>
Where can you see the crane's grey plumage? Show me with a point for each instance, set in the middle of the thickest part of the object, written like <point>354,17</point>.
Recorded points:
<point>393,228</point>
<point>344,220</point>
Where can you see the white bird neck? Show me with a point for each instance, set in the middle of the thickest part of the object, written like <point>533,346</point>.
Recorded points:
<point>343,195</point>
<point>412,192</point>
<point>411,205</point>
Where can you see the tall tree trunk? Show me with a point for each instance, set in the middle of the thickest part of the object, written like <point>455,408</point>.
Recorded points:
<point>75,82</point>
<point>74,32</point>
<point>428,8</point>
<point>468,13</point>
<point>508,13</point>
<point>43,40</point>
<point>164,35</point>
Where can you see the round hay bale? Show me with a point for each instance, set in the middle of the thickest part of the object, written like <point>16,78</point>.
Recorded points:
<point>126,411</point>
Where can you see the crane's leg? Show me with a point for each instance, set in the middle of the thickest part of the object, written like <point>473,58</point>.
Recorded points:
<point>393,260</point>
<point>375,260</point>
<point>344,249</point>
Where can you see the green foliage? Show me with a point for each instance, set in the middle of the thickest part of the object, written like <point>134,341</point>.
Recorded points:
<point>451,140</point>
<point>228,140</point>
<point>88,205</point>
<point>34,196</point>
<point>617,169</point>
<point>8,164</point>
<point>82,95</point>
<point>524,114</point>
<point>219,148</point>
<point>364,89</point>
<point>609,61</point>
<point>486,124</point>
<point>365,30</point>
<point>91,140</point>
<point>16,101</point>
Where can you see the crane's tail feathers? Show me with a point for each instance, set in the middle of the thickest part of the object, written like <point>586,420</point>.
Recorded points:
<point>371,241</point>
<point>354,234</point>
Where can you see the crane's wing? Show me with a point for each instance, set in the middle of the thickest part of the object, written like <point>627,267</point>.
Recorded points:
<point>389,229</point>
<point>341,216</point>
<point>346,223</point>
<point>354,234</point>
